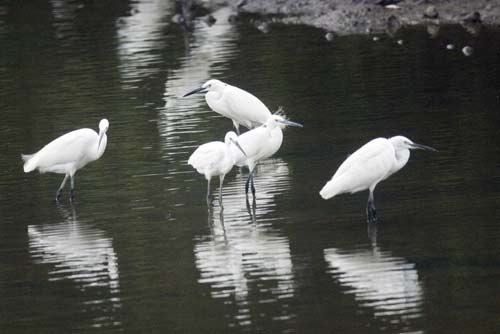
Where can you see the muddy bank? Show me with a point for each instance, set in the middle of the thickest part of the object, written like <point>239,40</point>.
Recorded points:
<point>344,17</point>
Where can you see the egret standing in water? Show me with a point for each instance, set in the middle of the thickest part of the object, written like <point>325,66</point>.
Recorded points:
<point>234,103</point>
<point>261,143</point>
<point>215,158</point>
<point>69,153</point>
<point>372,163</point>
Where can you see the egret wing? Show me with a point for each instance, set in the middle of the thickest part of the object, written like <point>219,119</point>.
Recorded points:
<point>246,109</point>
<point>207,156</point>
<point>68,148</point>
<point>365,167</point>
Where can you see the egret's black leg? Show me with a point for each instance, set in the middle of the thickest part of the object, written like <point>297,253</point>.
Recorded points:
<point>253,186</point>
<point>250,182</point>
<point>371,211</point>
<point>72,190</point>
<point>59,191</point>
<point>247,184</point>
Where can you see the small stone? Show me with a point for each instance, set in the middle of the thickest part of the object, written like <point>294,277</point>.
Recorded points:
<point>467,50</point>
<point>474,18</point>
<point>400,42</point>
<point>376,39</point>
<point>450,46</point>
<point>178,19</point>
<point>431,12</point>
<point>329,36</point>
<point>264,27</point>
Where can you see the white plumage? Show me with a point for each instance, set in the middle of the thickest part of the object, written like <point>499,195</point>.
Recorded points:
<point>372,163</point>
<point>232,102</point>
<point>261,143</point>
<point>69,153</point>
<point>215,159</point>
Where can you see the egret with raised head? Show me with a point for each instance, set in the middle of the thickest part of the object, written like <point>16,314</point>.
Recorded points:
<point>261,143</point>
<point>216,159</point>
<point>69,153</point>
<point>232,102</point>
<point>372,163</point>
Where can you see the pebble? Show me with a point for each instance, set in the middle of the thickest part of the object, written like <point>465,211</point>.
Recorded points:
<point>264,27</point>
<point>376,38</point>
<point>400,42</point>
<point>431,12</point>
<point>467,50</point>
<point>450,46</point>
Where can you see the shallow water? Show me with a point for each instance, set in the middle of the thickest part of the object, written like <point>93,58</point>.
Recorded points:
<point>140,251</point>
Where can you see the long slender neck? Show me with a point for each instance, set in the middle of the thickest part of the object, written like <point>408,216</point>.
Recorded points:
<point>102,147</point>
<point>402,157</point>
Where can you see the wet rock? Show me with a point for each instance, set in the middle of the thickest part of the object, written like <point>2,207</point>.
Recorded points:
<point>431,13</point>
<point>393,23</point>
<point>386,3</point>
<point>178,19</point>
<point>329,36</point>
<point>241,3</point>
<point>264,27</point>
<point>467,50</point>
<point>474,18</point>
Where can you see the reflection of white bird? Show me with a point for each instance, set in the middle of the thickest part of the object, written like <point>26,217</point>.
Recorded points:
<point>234,103</point>
<point>69,153</point>
<point>215,158</point>
<point>261,143</point>
<point>380,280</point>
<point>372,163</point>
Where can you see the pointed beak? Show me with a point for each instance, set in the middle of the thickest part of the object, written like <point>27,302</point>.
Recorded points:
<point>290,123</point>
<point>423,147</point>
<point>238,146</point>
<point>197,90</point>
<point>101,134</point>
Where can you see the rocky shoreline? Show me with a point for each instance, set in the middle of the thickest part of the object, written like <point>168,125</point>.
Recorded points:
<point>347,17</point>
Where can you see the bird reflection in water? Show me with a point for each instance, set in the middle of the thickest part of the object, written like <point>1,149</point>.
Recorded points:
<point>209,49</point>
<point>378,280</point>
<point>84,255</point>
<point>246,261</point>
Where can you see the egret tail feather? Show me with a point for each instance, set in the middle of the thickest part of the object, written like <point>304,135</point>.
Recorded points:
<point>30,164</point>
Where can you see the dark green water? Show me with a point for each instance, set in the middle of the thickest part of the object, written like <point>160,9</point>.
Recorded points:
<point>140,252</point>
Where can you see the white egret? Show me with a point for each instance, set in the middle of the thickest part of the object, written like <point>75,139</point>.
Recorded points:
<point>69,153</point>
<point>215,158</point>
<point>372,163</point>
<point>261,143</point>
<point>234,103</point>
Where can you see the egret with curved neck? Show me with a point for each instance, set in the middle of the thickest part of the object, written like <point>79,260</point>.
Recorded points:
<point>215,158</point>
<point>69,153</point>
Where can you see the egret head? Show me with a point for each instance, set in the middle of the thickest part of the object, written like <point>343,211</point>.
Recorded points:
<point>103,128</point>
<point>278,120</point>
<point>232,138</point>
<point>103,125</point>
<point>212,85</point>
<point>403,143</point>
